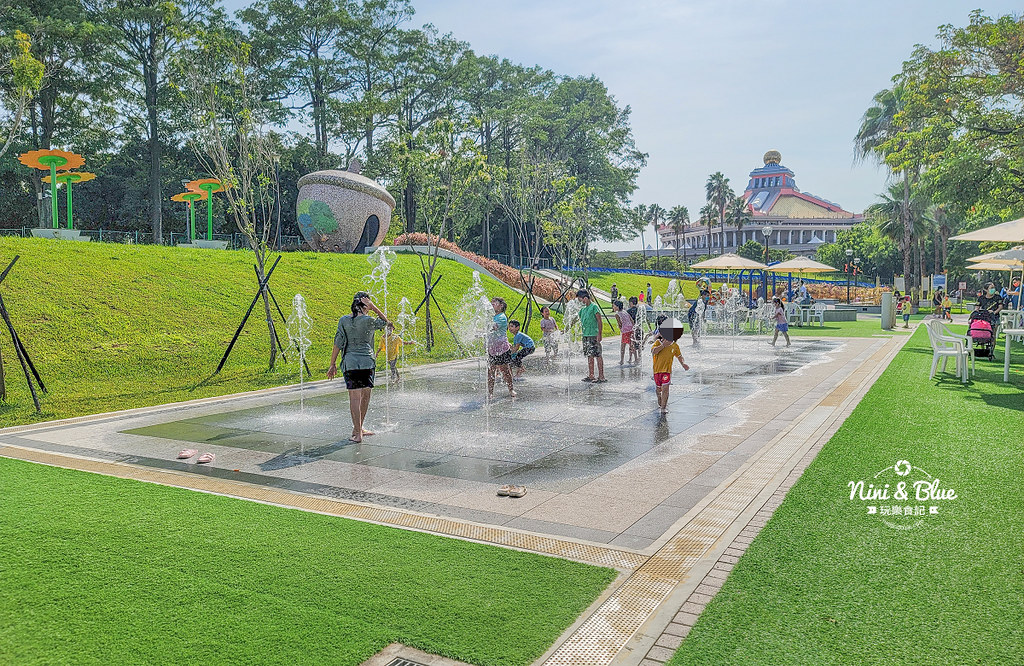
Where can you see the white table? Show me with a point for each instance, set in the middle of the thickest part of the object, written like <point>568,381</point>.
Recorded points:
<point>1010,333</point>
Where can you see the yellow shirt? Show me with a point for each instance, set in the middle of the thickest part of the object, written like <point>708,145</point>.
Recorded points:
<point>393,343</point>
<point>663,357</point>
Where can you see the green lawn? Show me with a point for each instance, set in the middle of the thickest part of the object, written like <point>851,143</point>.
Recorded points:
<point>100,570</point>
<point>862,328</point>
<point>115,326</point>
<point>633,285</point>
<point>825,583</point>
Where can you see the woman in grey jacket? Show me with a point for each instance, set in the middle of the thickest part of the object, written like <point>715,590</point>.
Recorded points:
<point>355,344</point>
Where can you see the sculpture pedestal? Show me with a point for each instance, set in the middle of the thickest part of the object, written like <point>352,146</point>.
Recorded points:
<point>61,234</point>
<point>206,244</point>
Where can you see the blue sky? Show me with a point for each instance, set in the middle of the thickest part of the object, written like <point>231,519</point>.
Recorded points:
<point>713,84</point>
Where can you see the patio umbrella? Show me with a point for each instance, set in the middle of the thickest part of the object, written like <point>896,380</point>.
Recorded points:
<point>1014,257</point>
<point>802,265</point>
<point>988,266</point>
<point>1007,232</point>
<point>728,262</point>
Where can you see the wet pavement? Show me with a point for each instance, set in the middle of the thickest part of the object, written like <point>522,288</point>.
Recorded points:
<point>599,461</point>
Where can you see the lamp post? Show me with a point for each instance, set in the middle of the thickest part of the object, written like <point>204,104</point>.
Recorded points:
<point>767,231</point>
<point>849,255</point>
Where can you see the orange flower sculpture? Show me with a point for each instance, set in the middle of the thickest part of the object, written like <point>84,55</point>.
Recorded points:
<point>45,159</point>
<point>72,177</point>
<point>51,160</point>
<point>208,185</point>
<point>190,196</point>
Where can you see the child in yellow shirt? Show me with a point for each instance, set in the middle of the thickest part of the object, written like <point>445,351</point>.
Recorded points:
<point>391,343</point>
<point>664,352</point>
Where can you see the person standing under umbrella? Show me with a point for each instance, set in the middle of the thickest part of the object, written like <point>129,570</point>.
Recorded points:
<point>354,343</point>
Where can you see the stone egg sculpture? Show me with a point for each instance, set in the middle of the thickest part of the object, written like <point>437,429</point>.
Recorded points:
<point>342,211</point>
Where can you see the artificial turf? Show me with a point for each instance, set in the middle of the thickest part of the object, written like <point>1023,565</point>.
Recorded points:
<point>113,326</point>
<point>101,570</point>
<point>826,583</point>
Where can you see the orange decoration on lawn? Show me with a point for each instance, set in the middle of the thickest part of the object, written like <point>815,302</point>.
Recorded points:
<point>59,159</point>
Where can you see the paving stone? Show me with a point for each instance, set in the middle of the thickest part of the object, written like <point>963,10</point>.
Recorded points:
<point>660,653</point>
<point>690,607</point>
<point>729,559</point>
<point>669,641</point>
<point>708,588</point>
<point>700,598</point>
<point>677,629</point>
<point>651,662</point>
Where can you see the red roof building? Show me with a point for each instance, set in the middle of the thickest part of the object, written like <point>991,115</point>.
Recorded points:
<point>800,222</point>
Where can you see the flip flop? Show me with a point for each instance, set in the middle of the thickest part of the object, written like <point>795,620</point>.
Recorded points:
<point>205,458</point>
<point>504,490</point>
<point>587,379</point>
<point>517,491</point>
<point>186,453</point>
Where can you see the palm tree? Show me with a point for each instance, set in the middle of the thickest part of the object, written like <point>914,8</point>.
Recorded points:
<point>890,214</point>
<point>654,214</point>
<point>679,217</point>
<point>878,128</point>
<point>737,214</point>
<point>641,214</point>
<point>719,194</point>
<point>708,216</point>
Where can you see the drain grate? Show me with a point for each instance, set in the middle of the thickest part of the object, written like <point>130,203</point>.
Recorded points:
<point>402,661</point>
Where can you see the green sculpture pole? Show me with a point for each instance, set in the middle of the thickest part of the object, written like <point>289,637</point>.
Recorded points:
<point>53,190</point>
<point>209,188</point>
<point>67,184</point>
<point>191,198</point>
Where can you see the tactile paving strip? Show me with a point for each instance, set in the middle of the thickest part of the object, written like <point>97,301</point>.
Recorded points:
<point>583,552</point>
<point>598,640</point>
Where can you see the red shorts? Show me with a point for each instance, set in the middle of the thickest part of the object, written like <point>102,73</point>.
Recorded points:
<point>662,378</point>
<point>627,337</point>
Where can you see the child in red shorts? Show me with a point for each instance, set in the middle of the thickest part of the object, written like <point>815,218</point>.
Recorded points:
<point>664,352</point>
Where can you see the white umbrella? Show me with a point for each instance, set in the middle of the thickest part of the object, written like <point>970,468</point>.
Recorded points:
<point>1014,257</point>
<point>987,266</point>
<point>728,262</point>
<point>801,265</point>
<point>1007,232</point>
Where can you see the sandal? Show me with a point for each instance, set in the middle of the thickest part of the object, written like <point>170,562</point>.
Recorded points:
<point>205,458</point>
<point>588,379</point>
<point>186,453</point>
<point>517,491</point>
<point>504,490</point>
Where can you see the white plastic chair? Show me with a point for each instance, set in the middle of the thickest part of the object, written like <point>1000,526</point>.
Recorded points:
<point>818,313</point>
<point>945,345</point>
<point>793,315</point>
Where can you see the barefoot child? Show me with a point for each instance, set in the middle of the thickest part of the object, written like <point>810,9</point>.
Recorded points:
<point>391,344</point>
<point>591,323</point>
<point>903,308</point>
<point>499,352</point>
<point>626,325</point>
<point>664,352</point>
<point>522,346</point>
<point>781,324</point>
<point>549,327</point>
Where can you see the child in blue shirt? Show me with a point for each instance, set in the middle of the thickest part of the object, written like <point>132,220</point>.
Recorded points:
<point>522,346</point>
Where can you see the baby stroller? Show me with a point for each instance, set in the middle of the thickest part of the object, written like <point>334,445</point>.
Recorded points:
<point>981,329</point>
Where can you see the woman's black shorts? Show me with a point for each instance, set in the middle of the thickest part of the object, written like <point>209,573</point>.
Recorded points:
<point>359,379</point>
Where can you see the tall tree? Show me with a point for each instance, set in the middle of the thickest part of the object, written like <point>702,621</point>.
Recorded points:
<point>304,39</point>
<point>679,217</point>
<point>655,214</point>
<point>889,215</point>
<point>147,33</point>
<point>21,74</point>
<point>708,216</point>
<point>719,194</point>
<point>879,130</point>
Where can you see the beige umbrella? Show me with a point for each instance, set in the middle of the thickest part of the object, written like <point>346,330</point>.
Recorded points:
<point>987,266</point>
<point>728,262</point>
<point>802,265</point>
<point>1007,232</point>
<point>1014,257</point>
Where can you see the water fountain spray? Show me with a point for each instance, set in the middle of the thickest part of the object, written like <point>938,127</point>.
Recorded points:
<point>298,327</point>
<point>473,321</point>
<point>382,259</point>
<point>570,342</point>
<point>405,324</point>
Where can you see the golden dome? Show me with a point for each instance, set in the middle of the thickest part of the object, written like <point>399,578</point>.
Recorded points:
<point>772,157</point>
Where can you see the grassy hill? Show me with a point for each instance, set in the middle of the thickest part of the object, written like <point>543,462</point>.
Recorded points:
<point>114,326</point>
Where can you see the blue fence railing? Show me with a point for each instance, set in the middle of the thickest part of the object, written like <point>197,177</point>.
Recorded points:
<point>714,276</point>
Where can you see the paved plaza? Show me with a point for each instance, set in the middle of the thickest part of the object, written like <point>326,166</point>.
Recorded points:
<point>670,500</point>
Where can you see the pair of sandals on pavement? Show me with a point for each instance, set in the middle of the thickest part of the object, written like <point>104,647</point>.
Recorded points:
<point>509,490</point>
<point>591,380</point>
<point>202,460</point>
